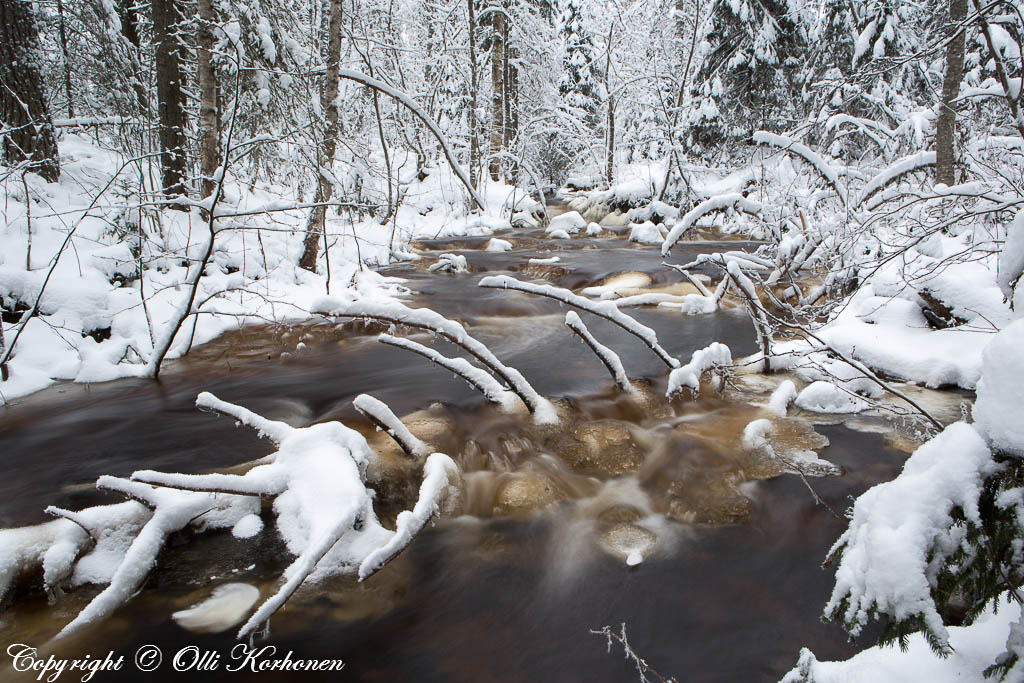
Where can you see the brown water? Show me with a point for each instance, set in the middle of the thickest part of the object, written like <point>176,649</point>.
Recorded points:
<point>730,587</point>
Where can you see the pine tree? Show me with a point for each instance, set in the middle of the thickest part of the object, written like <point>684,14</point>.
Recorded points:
<point>578,82</point>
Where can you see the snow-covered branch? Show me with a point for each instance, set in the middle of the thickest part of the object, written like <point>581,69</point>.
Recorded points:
<point>717,203</point>
<point>381,415</point>
<point>423,318</point>
<point>477,378</point>
<point>606,355</point>
<point>604,309</point>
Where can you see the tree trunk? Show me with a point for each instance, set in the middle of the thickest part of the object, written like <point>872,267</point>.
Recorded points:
<point>23,108</point>
<point>945,130</point>
<point>3,366</point>
<point>474,141</point>
<point>611,139</point>
<point>170,100</point>
<point>209,125</point>
<point>328,105</point>
<point>610,150</point>
<point>62,33</point>
<point>497,88</point>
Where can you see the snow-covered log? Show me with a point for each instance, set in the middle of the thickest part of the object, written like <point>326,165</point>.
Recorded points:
<point>823,167</point>
<point>717,203</point>
<point>901,167</point>
<point>378,412</point>
<point>604,309</point>
<point>53,548</point>
<point>477,378</point>
<point>423,318</point>
<point>716,355</point>
<point>606,355</point>
<point>325,512</point>
<point>172,511</point>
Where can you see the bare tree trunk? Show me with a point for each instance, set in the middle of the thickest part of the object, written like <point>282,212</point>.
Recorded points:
<point>510,87</point>
<point>474,140</point>
<point>62,33</point>
<point>3,366</point>
<point>328,97</point>
<point>209,125</point>
<point>497,89</point>
<point>945,130</point>
<point>611,138</point>
<point>611,106</point>
<point>23,108</point>
<point>170,99</point>
<point>129,16</point>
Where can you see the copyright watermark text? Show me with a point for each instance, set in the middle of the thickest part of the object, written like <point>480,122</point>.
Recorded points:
<point>240,658</point>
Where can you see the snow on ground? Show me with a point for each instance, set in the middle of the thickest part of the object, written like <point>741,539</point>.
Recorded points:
<point>974,648</point>
<point>98,320</point>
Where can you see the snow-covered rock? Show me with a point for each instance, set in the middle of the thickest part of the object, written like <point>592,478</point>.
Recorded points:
<point>570,222</point>
<point>825,397</point>
<point>646,233</point>
<point>496,244</point>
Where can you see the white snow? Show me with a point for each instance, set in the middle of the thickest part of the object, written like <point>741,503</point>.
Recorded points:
<point>816,160</point>
<point>716,203</point>
<point>999,409</point>
<point>825,397</point>
<point>780,399</point>
<point>380,413</point>
<point>900,531</point>
<point>646,233</point>
<point>715,355</point>
<point>496,244</point>
<point>252,276</point>
<point>247,526</point>
<point>569,222</point>
<point>477,378</point>
<point>450,263</point>
<point>395,312</point>
<point>974,648</point>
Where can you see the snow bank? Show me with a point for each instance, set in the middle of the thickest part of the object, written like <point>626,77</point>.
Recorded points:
<point>95,291</point>
<point>973,647</point>
<point>998,410</point>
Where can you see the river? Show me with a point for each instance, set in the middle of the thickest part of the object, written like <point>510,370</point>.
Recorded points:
<point>729,590</point>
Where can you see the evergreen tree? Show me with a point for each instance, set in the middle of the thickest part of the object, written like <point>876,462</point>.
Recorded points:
<point>578,83</point>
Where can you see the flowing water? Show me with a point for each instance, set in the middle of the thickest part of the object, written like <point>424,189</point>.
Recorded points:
<point>730,586</point>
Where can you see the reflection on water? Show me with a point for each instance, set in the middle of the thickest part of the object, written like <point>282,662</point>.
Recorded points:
<point>631,510</point>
